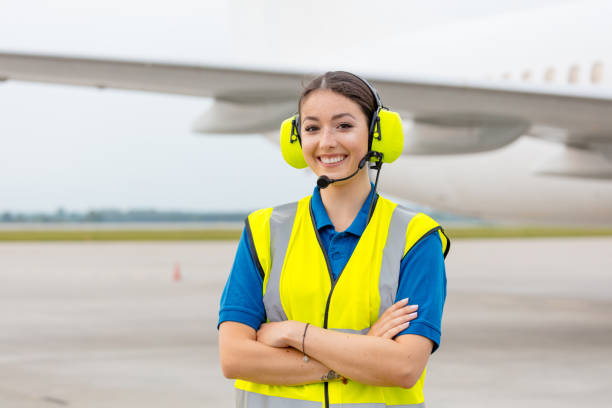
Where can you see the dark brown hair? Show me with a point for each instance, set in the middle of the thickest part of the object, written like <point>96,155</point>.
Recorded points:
<point>346,84</point>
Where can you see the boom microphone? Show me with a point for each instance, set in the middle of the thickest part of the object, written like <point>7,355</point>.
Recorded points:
<point>324,181</point>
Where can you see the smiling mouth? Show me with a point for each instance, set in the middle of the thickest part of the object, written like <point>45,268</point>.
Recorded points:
<point>331,160</point>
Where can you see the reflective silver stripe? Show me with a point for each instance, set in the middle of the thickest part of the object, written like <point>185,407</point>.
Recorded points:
<point>392,257</point>
<point>351,331</point>
<point>281,224</point>
<point>247,399</point>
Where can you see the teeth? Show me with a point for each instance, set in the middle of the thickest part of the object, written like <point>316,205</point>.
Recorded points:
<point>330,160</point>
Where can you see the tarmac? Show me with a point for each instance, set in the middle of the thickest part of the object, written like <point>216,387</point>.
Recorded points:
<point>528,323</point>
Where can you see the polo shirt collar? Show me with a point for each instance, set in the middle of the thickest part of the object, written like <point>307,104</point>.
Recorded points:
<point>322,219</point>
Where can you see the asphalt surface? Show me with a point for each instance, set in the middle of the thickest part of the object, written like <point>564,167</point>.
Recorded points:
<point>527,323</point>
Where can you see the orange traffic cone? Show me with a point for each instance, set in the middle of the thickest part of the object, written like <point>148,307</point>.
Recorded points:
<point>176,275</point>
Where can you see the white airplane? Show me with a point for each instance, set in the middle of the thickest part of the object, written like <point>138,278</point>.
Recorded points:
<point>515,125</point>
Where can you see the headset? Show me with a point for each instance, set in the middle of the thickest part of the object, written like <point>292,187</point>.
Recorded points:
<point>385,138</point>
<point>385,143</point>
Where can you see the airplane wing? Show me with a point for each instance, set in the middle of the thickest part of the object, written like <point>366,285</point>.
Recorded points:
<point>442,117</point>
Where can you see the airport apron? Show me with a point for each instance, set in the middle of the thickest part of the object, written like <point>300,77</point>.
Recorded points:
<point>298,285</point>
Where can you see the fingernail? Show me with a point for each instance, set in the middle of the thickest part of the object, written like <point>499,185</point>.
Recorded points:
<point>404,300</point>
<point>412,314</point>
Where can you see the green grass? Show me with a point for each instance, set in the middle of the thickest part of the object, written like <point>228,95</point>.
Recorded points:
<point>234,234</point>
<point>525,232</point>
<point>121,235</point>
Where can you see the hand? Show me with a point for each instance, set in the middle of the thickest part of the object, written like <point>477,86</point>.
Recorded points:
<point>278,334</point>
<point>395,319</point>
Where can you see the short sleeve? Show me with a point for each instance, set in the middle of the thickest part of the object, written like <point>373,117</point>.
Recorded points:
<point>422,279</point>
<point>242,299</point>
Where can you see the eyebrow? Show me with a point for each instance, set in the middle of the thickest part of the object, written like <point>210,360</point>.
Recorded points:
<point>339,115</point>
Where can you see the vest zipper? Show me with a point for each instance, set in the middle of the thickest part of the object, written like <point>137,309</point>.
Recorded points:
<point>326,384</point>
<point>331,277</point>
<point>333,285</point>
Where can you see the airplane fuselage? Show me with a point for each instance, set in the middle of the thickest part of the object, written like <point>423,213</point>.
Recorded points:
<point>501,185</point>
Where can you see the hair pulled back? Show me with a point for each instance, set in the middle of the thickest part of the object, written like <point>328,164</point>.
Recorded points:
<point>346,84</point>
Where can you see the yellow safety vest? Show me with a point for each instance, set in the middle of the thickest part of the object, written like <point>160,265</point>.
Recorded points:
<point>298,285</point>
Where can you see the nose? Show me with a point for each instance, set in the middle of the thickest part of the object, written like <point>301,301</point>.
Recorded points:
<point>328,138</point>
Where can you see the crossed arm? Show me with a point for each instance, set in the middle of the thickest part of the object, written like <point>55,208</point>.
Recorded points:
<point>272,355</point>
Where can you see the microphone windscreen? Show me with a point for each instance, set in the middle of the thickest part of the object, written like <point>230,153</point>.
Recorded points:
<point>323,182</point>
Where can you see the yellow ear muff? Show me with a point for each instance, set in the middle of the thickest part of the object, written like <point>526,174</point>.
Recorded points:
<point>291,145</point>
<point>388,136</point>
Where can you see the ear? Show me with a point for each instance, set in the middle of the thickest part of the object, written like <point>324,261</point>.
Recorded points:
<point>291,143</point>
<point>388,136</point>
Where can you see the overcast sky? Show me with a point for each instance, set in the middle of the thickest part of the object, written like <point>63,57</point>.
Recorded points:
<point>81,148</point>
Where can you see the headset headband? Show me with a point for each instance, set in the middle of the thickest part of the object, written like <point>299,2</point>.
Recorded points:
<point>379,104</point>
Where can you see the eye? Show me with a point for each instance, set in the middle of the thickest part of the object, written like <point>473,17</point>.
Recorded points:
<point>345,125</point>
<point>311,128</point>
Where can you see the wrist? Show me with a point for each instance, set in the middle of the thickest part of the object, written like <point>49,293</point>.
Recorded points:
<point>294,334</point>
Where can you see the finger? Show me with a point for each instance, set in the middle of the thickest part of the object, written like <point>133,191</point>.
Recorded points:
<point>389,324</point>
<point>404,310</point>
<point>397,305</point>
<point>382,326</point>
<point>405,318</point>
<point>389,334</point>
<point>398,321</point>
<point>385,322</point>
<point>410,316</point>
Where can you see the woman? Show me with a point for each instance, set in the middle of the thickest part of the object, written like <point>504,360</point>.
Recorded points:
<point>332,274</point>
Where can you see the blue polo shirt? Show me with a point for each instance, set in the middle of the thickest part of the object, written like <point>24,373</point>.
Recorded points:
<point>422,276</point>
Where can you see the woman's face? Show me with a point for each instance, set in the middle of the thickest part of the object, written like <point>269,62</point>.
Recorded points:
<point>334,133</point>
